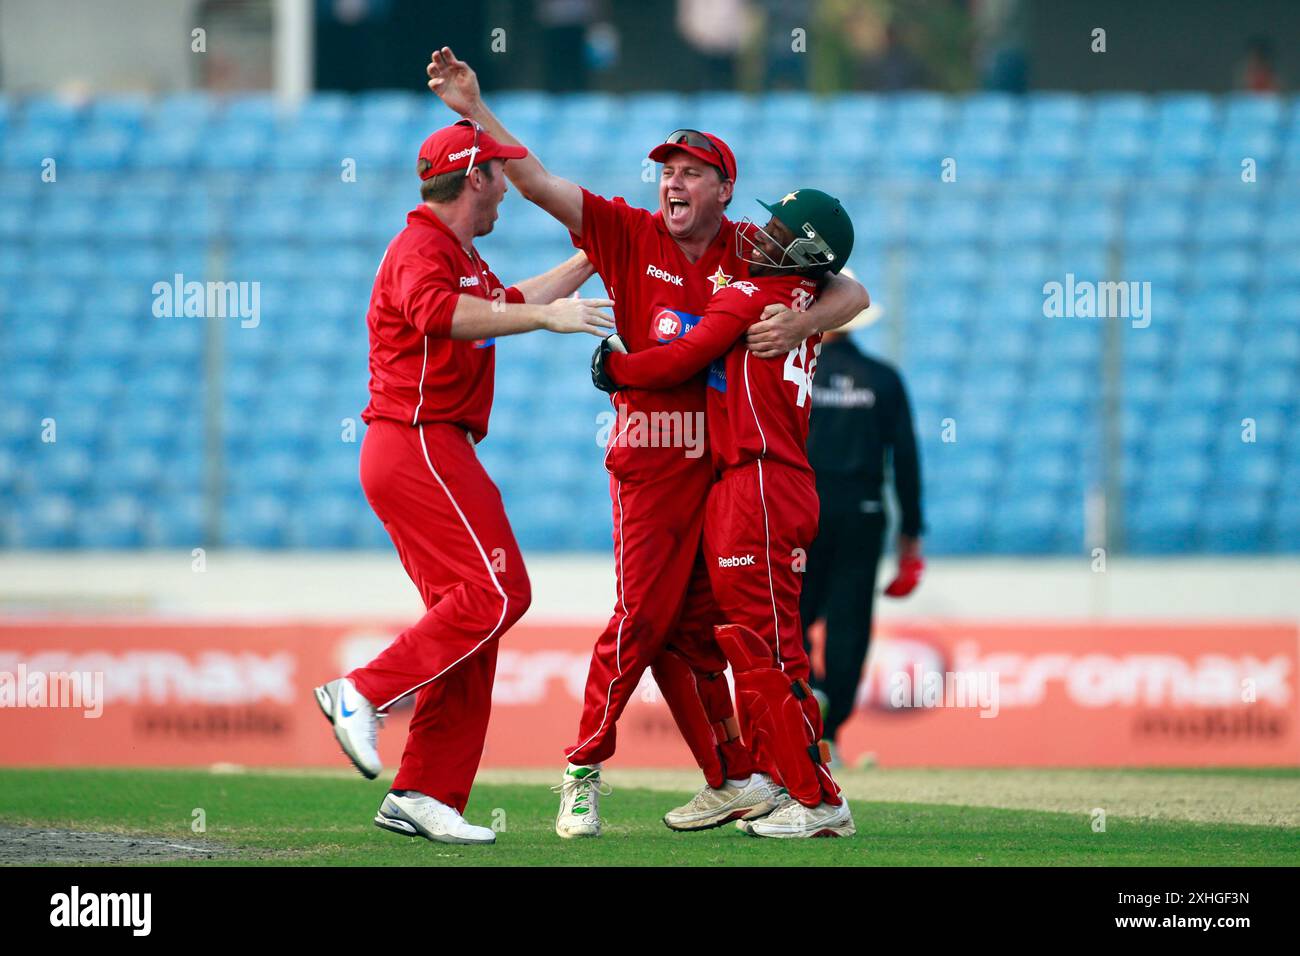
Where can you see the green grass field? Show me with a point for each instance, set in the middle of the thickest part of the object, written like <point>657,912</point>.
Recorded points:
<point>257,818</point>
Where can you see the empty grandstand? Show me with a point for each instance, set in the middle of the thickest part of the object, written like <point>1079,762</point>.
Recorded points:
<point>187,431</point>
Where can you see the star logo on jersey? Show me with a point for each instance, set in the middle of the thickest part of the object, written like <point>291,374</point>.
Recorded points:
<point>719,279</point>
<point>789,197</point>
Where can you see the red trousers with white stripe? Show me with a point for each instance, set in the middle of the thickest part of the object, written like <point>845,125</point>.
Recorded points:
<point>446,518</point>
<point>760,520</point>
<point>664,616</point>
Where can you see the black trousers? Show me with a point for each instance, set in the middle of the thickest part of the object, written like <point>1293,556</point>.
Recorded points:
<point>840,585</point>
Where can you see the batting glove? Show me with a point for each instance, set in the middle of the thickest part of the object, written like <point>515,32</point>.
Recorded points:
<point>599,377</point>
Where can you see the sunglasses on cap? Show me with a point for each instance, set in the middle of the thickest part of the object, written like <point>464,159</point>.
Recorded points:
<point>473,152</point>
<point>693,137</point>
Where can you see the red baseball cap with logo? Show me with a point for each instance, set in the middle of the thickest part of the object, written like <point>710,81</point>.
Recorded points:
<point>703,146</point>
<point>455,147</point>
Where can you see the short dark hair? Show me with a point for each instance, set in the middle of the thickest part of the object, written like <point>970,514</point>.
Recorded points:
<point>446,187</point>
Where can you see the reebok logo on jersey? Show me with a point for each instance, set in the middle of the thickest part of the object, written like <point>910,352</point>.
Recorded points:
<point>666,276</point>
<point>736,561</point>
<point>466,281</point>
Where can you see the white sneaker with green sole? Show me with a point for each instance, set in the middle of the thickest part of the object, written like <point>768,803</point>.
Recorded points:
<point>580,792</point>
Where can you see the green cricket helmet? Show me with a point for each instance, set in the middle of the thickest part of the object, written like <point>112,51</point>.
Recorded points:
<point>823,233</point>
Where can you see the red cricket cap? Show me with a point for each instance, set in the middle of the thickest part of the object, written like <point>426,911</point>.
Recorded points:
<point>452,148</point>
<point>713,150</point>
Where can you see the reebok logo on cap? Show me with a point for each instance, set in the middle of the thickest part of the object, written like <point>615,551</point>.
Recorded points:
<point>452,148</point>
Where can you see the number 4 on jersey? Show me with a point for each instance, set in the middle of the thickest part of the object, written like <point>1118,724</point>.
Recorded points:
<point>799,368</point>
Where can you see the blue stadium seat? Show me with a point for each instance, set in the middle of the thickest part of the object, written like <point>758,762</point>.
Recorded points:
<point>255,521</point>
<point>177,520</point>
<point>45,520</point>
<point>1157,217</point>
<point>1227,219</point>
<point>958,524</point>
<point>389,108</point>
<point>1164,523</point>
<point>324,521</point>
<point>117,521</point>
<point>1252,111</point>
<point>1103,187</point>
<point>1030,520</point>
<point>1234,523</point>
<point>1285,530</point>
<point>51,112</point>
<point>101,150</point>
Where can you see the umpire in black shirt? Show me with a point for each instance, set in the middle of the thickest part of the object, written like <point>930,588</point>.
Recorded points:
<point>860,418</point>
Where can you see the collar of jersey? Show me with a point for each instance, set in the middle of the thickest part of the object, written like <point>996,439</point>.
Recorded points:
<point>425,214</point>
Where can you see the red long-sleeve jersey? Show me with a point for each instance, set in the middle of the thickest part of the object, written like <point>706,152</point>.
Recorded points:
<point>418,373</point>
<point>758,408</point>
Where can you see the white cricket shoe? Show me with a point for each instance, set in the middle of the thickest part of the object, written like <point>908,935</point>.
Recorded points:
<point>414,814</point>
<point>580,794</point>
<point>712,807</point>
<point>794,821</point>
<point>355,724</point>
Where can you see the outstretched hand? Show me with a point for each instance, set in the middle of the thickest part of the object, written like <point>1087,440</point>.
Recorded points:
<point>579,315</point>
<point>453,81</point>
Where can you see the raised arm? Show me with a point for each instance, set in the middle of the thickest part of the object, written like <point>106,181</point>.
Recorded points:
<point>457,86</point>
<point>671,364</point>
<point>783,328</point>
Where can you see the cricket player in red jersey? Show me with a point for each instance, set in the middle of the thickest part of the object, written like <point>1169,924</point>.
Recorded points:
<point>762,511</point>
<point>434,312</point>
<point>660,270</point>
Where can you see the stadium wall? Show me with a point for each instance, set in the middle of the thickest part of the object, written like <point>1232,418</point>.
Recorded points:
<point>993,663</point>
<point>580,587</point>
